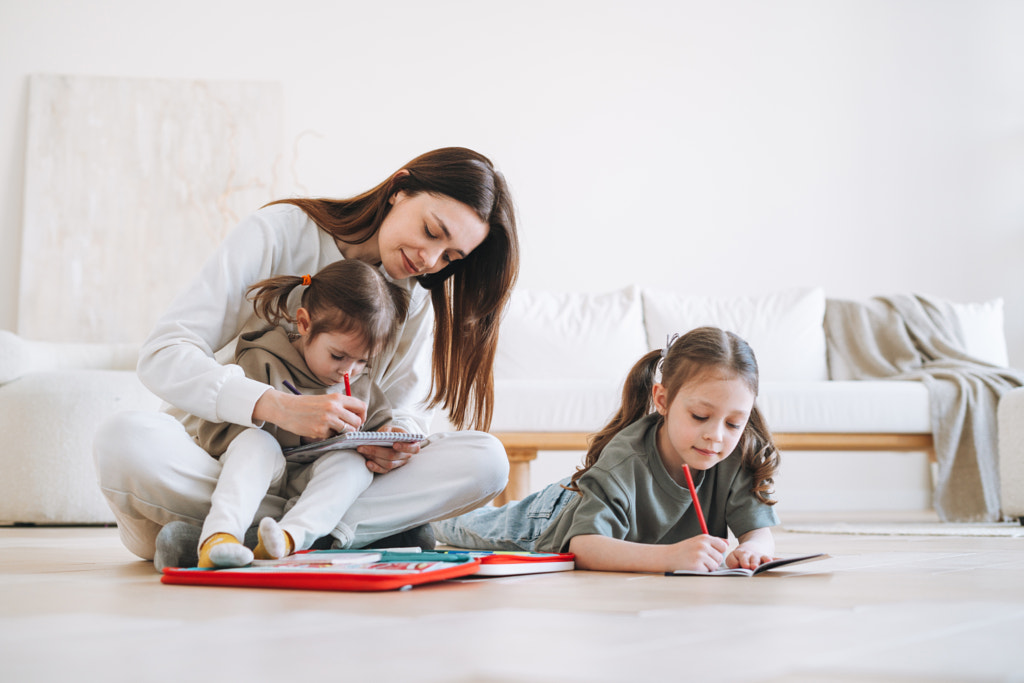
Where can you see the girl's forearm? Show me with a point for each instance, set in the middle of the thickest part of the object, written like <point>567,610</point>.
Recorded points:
<point>601,553</point>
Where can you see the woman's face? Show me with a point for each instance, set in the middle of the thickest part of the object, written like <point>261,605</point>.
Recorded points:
<point>423,233</point>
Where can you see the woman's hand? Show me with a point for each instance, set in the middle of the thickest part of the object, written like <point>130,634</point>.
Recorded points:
<point>315,417</point>
<point>383,459</point>
<point>755,548</point>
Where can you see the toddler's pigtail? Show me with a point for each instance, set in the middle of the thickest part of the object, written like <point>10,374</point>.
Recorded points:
<point>270,297</point>
<point>636,403</point>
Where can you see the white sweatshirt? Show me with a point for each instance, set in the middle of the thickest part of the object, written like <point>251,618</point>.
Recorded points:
<point>177,361</point>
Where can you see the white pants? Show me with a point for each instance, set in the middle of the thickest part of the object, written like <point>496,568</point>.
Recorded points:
<point>152,473</point>
<point>253,466</point>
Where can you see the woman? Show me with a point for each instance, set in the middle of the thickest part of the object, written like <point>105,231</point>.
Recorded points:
<point>445,222</point>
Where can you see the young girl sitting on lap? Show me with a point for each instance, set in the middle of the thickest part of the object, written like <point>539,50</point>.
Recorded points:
<point>628,508</point>
<point>348,314</point>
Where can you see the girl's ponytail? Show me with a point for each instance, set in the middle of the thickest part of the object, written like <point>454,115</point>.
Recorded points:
<point>270,297</point>
<point>636,402</point>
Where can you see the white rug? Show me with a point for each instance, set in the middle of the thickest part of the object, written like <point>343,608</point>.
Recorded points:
<point>909,529</point>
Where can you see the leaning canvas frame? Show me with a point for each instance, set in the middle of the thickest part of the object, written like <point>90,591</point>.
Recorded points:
<point>130,184</point>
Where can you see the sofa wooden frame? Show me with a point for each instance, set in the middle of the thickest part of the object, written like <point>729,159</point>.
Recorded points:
<point>522,449</point>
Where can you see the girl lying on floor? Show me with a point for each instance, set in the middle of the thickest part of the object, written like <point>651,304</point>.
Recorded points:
<point>628,508</point>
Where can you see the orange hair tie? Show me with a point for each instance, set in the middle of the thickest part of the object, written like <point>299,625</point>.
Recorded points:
<point>306,280</point>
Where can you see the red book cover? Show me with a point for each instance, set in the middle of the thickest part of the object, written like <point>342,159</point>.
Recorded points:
<point>332,570</point>
<point>501,563</point>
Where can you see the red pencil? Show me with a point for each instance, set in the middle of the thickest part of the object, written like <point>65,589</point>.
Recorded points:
<point>696,503</point>
<point>348,387</point>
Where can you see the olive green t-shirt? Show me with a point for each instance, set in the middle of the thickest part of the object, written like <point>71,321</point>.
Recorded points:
<point>628,494</point>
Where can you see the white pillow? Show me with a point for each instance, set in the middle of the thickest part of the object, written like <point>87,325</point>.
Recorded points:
<point>574,335</point>
<point>785,329</point>
<point>982,327</point>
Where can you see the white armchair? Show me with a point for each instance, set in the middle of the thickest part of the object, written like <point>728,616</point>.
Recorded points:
<point>52,399</point>
<point>1011,453</point>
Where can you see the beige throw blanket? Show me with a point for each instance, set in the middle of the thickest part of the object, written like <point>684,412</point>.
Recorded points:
<point>910,337</point>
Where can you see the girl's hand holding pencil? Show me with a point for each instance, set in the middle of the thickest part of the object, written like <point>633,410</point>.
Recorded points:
<point>699,553</point>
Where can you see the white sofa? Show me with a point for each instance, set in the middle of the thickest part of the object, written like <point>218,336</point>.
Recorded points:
<point>52,398</point>
<point>562,358</point>
<point>561,361</point>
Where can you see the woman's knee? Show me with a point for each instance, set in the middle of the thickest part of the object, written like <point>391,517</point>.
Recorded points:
<point>119,443</point>
<point>134,445</point>
<point>488,461</point>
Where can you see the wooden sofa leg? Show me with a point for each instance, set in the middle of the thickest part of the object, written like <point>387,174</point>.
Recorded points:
<point>519,460</point>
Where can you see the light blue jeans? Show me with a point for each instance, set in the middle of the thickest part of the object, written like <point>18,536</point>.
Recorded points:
<point>513,526</point>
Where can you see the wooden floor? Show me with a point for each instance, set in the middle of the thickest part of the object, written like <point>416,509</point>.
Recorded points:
<point>76,606</point>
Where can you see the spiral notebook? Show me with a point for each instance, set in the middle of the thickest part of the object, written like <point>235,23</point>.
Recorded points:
<point>348,440</point>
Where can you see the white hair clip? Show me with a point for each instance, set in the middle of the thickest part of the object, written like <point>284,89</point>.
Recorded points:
<point>670,339</point>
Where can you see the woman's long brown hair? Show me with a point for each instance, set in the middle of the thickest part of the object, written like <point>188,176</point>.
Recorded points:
<point>689,357</point>
<point>470,294</point>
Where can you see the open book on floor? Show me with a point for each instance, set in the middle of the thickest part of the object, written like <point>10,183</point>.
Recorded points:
<point>766,567</point>
<point>348,440</point>
<point>333,570</point>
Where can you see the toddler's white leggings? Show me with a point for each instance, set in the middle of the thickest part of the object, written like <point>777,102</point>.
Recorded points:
<point>152,473</point>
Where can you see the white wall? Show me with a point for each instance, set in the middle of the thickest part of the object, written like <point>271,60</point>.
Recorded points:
<point>717,147</point>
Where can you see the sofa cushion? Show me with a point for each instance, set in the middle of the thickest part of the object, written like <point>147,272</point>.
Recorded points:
<point>805,406</point>
<point>554,405</point>
<point>870,406</point>
<point>784,328</point>
<point>570,336</point>
<point>982,328</point>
